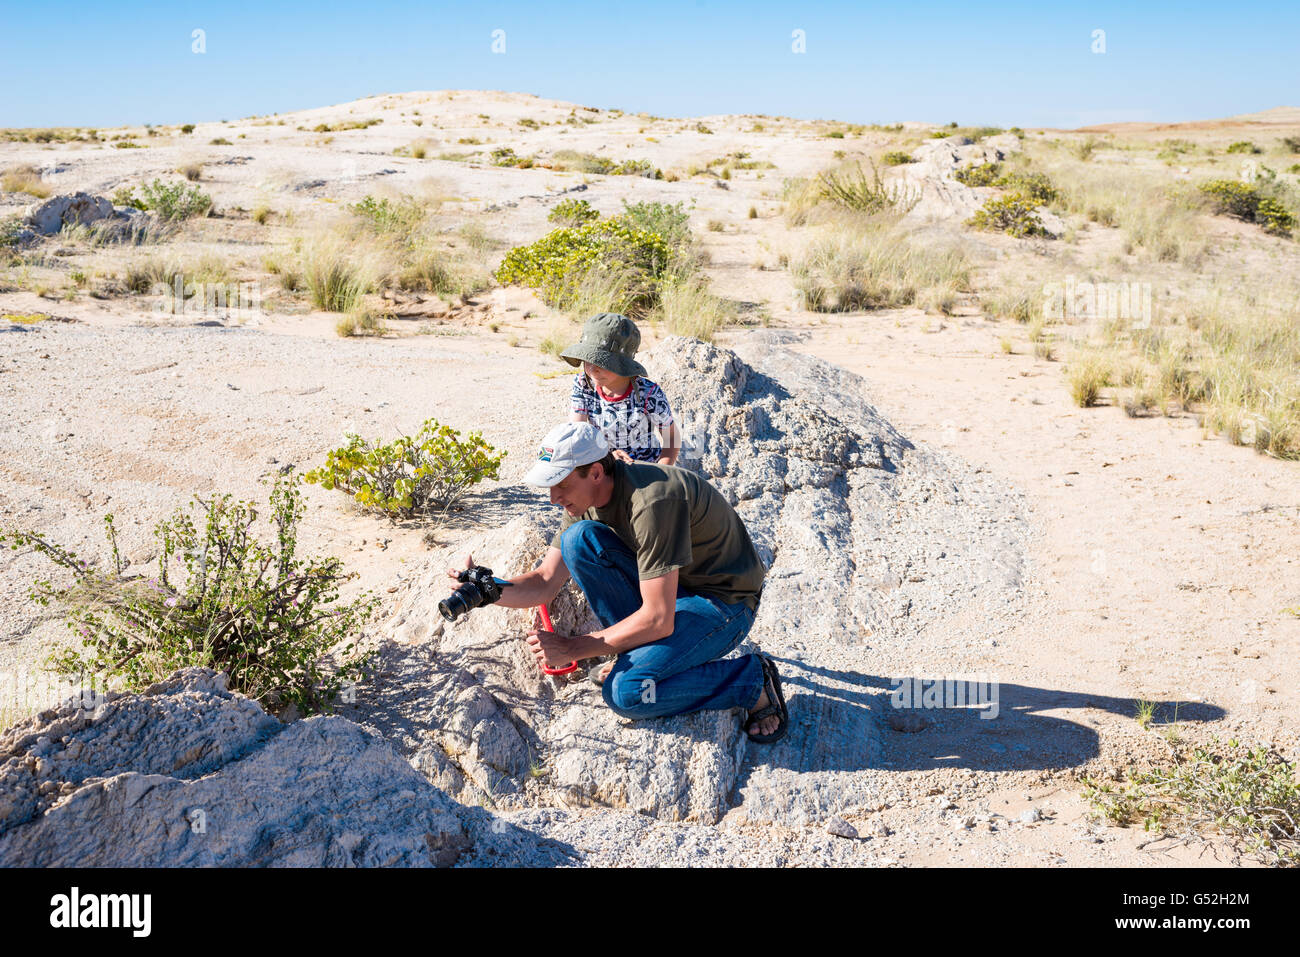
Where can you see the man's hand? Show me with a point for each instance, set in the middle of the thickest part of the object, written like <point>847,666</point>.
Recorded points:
<point>546,647</point>
<point>622,456</point>
<point>455,572</point>
<point>553,650</point>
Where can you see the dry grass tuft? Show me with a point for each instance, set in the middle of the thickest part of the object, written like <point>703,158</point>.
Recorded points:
<point>856,265</point>
<point>24,179</point>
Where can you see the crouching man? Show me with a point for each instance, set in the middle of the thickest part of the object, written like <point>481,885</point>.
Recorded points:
<point>671,573</point>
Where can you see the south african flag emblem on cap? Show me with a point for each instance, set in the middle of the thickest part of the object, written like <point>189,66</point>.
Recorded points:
<point>544,455</point>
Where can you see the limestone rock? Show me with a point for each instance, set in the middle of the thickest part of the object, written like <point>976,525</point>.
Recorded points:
<point>471,709</point>
<point>75,209</point>
<point>188,774</point>
<point>941,196</point>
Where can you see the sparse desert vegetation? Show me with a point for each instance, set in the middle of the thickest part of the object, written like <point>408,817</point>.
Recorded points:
<point>442,256</point>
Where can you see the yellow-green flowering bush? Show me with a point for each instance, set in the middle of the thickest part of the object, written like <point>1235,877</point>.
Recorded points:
<point>556,264</point>
<point>983,174</point>
<point>573,212</point>
<point>1012,214</point>
<point>1245,201</point>
<point>412,476</point>
<point>1033,186</point>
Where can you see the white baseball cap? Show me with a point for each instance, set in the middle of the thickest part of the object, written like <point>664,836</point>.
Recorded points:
<point>563,449</point>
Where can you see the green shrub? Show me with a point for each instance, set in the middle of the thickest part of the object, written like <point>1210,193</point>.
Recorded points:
<point>1294,168</point>
<point>1243,146</point>
<point>668,220</point>
<point>224,598</point>
<point>125,196</point>
<point>1291,144</point>
<point>984,174</point>
<point>1248,794</point>
<point>1012,214</point>
<point>633,167</point>
<point>174,201</point>
<point>1034,186</point>
<point>10,229</point>
<point>1243,201</point>
<point>187,128</point>
<point>505,156</point>
<point>557,263</point>
<point>220,141</point>
<point>1274,217</point>
<point>573,212</point>
<point>412,476</point>
<point>898,158</point>
<point>387,216</point>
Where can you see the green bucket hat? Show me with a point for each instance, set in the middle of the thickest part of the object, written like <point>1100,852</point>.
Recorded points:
<point>609,340</point>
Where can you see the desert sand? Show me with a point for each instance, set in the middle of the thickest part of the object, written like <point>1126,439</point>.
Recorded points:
<point>1160,563</point>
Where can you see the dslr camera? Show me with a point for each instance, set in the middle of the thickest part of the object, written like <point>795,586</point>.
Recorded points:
<point>478,587</point>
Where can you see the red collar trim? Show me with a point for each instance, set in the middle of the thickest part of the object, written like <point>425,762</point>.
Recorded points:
<point>614,398</point>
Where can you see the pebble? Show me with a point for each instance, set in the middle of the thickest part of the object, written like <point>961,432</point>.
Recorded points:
<point>840,827</point>
<point>908,722</point>
<point>1031,816</point>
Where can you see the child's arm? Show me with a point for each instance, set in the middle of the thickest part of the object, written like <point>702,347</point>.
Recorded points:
<point>577,401</point>
<point>668,455</point>
<point>662,417</point>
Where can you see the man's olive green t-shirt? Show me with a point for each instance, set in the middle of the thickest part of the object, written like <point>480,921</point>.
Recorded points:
<point>672,518</point>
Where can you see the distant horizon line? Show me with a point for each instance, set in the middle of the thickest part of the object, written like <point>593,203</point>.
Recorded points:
<point>1119,113</point>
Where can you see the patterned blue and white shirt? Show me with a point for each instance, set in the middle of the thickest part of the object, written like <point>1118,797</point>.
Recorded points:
<point>628,421</point>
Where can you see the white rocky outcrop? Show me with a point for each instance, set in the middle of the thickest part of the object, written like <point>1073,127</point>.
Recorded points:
<point>188,774</point>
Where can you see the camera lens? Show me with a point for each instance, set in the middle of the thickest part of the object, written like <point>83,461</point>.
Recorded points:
<point>460,601</point>
<point>452,607</point>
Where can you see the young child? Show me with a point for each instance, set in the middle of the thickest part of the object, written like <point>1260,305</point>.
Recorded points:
<point>613,394</point>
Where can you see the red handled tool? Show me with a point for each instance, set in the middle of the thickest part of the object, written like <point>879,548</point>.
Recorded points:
<point>572,666</point>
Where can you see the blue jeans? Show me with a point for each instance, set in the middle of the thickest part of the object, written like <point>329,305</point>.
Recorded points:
<point>673,675</point>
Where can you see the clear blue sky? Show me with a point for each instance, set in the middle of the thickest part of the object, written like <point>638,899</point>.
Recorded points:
<point>1011,63</point>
